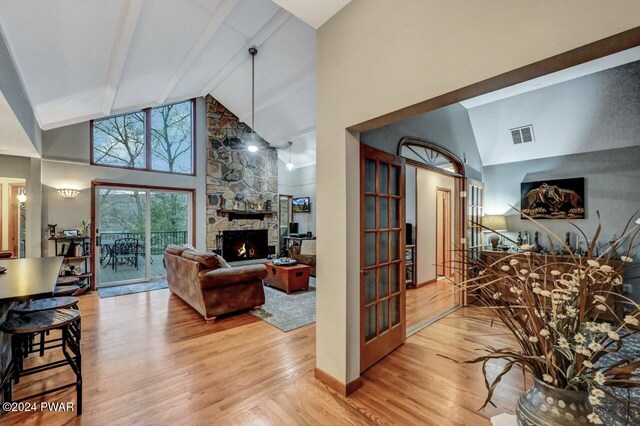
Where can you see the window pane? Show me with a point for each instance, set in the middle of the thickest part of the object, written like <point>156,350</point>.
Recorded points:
<point>171,138</point>
<point>119,141</point>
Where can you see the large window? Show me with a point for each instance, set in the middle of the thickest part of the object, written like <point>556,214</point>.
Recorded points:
<point>156,139</point>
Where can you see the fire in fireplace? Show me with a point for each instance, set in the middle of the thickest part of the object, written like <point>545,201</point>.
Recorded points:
<point>245,245</point>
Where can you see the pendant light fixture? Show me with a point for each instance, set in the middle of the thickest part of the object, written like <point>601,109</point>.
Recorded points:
<point>252,139</point>
<point>290,165</point>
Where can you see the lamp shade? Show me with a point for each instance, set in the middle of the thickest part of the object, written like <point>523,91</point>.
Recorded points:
<point>495,222</point>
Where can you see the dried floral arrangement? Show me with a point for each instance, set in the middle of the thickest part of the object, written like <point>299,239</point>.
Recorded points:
<point>566,314</point>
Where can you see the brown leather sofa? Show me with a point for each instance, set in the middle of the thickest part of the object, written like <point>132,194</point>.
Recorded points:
<point>294,253</point>
<point>6,254</point>
<point>207,283</point>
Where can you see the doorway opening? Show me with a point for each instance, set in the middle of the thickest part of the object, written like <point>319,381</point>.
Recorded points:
<point>435,211</point>
<point>13,215</point>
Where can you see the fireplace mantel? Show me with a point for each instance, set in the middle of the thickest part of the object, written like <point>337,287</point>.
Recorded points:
<point>242,214</point>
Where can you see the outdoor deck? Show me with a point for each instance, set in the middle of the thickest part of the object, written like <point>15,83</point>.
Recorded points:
<point>129,272</point>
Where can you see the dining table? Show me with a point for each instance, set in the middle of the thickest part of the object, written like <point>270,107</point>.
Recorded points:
<point>24,279</point>
<point>29,278</point>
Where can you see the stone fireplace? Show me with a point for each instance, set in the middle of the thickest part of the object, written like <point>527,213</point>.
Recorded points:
<point>245,245</point>
<point>237,179</point>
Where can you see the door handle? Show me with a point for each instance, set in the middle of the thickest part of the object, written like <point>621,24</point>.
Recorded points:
<point>364,272</point>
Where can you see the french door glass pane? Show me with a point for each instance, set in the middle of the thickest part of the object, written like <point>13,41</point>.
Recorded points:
<point>395,213</point>
<point>383,179</point>
<point>370,175</point>
<point>370,323</point>
<point>370,212</point>
<point>384,212</point>
<point>370,247</point>
<point>395,310</point>
<point>122,225</point>
<point>169,225</point>
<point>394,277</point>
<point>395,180</point>
<point>383,316</point>
<point>370,287</point>
<point>383,247</point>
<point>383,281</point>
<point>395,245</point>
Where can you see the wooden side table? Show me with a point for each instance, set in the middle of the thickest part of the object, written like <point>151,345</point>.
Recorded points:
<point>288,278</point>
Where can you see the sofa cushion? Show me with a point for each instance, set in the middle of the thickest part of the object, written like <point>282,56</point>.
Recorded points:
<point>207,260</point>
<point>176,249</point>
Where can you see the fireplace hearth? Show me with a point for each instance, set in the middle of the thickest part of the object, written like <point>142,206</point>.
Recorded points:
<point>245,245</point>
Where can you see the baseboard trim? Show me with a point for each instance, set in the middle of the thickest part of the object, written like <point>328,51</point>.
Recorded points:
<point>337,385</point>
<point>422,284</point>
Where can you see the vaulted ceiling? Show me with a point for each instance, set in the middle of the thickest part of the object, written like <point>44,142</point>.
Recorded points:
<point>80,60</point>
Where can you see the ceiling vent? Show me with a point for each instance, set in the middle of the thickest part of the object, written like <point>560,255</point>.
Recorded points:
<point>522,134</point>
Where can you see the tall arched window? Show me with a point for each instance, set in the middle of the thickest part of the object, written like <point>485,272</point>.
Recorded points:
<point>430,155</point>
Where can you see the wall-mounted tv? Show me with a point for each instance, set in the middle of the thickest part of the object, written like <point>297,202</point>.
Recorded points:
<point>301,205</point>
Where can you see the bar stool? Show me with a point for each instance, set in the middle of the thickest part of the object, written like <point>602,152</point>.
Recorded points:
<point>44,305</point>
<point>67,280</point>
<point>21,327</point>
<point>67,290</point>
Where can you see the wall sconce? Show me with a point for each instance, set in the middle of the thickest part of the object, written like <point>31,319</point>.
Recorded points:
<point>68,193</point>
<point>22,196</point>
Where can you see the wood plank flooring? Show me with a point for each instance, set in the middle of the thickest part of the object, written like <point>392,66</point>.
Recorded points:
<point>429,300</point>
<point>149,359</point>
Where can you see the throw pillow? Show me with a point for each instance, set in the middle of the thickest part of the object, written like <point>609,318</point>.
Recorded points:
<point>308,248</point>
<point>207,260</point>
<point>175,249</point>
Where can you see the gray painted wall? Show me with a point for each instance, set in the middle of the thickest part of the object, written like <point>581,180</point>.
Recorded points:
<point>449,127</point>
<point>300,183</point>
<point>65,163</point>
<point>612,186</point>
<point>12,89</point>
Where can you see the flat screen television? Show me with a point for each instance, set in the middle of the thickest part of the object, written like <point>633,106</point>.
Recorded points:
<point>301,205</point>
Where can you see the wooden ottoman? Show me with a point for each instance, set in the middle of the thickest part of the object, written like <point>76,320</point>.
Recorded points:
<point>288,278</point>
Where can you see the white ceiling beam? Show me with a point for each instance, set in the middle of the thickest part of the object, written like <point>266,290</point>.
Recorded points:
<point>120,51</point>
<point>294,83</point>
<point>261,36</point>
<point>215,22</point>
<point>284,142</point>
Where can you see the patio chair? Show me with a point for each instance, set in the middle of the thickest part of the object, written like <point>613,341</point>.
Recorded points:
<point>126,249</point>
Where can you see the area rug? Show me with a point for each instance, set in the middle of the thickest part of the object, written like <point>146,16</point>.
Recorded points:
<point>288,311</point>
<point>121,290</point>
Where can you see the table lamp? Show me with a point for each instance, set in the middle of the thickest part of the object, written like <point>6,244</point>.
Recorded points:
<point>497,223</point>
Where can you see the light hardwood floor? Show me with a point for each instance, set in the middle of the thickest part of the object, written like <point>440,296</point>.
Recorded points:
<point>150,359</point>
<point>429,300</point>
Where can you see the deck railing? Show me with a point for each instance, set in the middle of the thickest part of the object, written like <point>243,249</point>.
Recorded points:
<point>159,240</point>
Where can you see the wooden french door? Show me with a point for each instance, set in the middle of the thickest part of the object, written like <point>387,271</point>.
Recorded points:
<point>443,232</point>
<point>382,260</point>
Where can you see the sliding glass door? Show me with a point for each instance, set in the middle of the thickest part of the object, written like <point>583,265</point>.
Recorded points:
<point>134,226</point>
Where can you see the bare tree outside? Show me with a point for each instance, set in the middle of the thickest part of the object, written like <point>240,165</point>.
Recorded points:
<point>171,138</point>
<point>120,141</point>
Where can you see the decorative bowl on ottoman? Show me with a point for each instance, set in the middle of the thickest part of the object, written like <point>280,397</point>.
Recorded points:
<point>285,261</point>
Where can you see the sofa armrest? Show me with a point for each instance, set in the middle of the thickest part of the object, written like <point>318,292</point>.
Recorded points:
<point>229,276</point>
